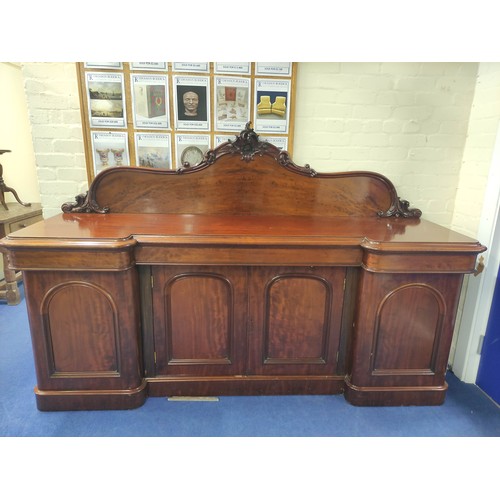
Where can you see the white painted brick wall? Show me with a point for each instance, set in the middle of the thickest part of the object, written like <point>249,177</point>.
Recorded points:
<point>407,121</point>
<point>482,130</point>
<point>54,107</point>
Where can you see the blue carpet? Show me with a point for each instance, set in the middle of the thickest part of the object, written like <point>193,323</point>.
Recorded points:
<point>467,411</point>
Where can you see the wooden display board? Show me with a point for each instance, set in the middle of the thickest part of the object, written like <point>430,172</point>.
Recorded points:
<point>168,115</point>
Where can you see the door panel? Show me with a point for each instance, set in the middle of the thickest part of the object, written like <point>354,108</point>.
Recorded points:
<point>85,339</point>
<point>199,317</point>
<point>296,317</point>
<point>403,330</point>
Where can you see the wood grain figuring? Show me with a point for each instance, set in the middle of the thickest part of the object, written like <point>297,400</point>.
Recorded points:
<point>199,318</point>
<point>200,310</point>
<point>403,333</point>
<point>408,328</point>
<point>296,315</point>
<point>234,186</point>
<point>85,330</point>
<point>89,347</point>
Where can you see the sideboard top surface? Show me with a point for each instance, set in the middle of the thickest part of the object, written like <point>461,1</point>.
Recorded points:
<point>238,228</point>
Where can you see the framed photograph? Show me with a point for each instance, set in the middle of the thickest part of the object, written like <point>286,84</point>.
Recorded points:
<point>150,102</point>
<point>273,69</point>
<point>106,101</point>
<point>272,108</point>
<point>148,66</point>
<point>190,148</point>
<point>109,149</point>
<point>233,68</point>
<point>191,67</point>
<point>153,150</point>
<point>191,102</point>
<point>232,103</point>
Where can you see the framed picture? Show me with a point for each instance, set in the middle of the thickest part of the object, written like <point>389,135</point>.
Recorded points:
<point>191,102</point>
<point>232,103</point>
<point>153,150</point>
<point>109,149</point>
<point>150,101</point>
<point>190,148</point>
<point>106,100</point>
<point>272,106</point>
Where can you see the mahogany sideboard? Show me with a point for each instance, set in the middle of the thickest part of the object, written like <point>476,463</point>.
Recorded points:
<point>243,275</point>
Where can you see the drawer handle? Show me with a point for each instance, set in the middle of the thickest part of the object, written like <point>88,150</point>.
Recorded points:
<point>480,266</point>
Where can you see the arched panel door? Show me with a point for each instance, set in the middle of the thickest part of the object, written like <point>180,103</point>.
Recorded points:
<point>408,329</point>
<point>296,314</point>
<point>81,330</point>
<point>200,320</point>
<point>85,332</point>
<point>402,335</point>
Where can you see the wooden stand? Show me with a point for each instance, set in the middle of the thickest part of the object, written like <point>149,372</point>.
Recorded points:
<point>246,274</point>
<point>6,189</point>
<point>13,218</point>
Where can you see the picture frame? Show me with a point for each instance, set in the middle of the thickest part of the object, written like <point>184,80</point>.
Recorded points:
<point>191,97</point>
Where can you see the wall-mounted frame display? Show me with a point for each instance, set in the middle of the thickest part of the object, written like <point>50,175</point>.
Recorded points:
<point>109,149</point>
<point>167,115</point>
<point>191,102</point>
<point>153,150</point>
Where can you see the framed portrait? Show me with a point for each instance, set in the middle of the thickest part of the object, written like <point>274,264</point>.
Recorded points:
<point>191,102</point>
<point>153,150</point>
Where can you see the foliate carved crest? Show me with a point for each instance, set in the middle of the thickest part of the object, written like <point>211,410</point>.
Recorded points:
<point>83,204</point>
<point>401,208</point>
<point>248,145</point>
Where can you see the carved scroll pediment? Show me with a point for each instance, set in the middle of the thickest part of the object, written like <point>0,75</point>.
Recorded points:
<point>84,204</point>
<point>401,208</point>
